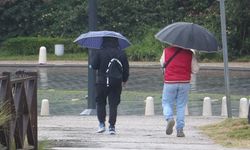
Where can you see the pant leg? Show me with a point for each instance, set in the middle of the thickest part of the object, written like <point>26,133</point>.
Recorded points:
<point>168,98</point>
<point>114,98</point>
<point>101,101</point>
<point>181,101</point>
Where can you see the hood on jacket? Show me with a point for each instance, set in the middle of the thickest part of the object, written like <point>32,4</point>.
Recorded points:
<point>110,42</point>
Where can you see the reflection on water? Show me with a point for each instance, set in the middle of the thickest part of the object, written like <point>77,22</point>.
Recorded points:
<point>141,79</point>
<point>43,76</point>
<point>193,82</point>
<point>148,80</point>
<point>212,81</point>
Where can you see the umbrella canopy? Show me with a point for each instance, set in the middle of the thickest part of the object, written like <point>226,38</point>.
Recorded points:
<point>189,36</point>
<point>94,39</point>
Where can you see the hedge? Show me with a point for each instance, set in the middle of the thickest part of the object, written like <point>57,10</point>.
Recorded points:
<point>31,45</point>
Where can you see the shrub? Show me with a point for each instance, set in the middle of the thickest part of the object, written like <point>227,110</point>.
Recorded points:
<point>31,45</point>
<point>147,49</point>
<point>210,57</point>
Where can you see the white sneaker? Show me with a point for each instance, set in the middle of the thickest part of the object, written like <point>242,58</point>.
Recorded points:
<point>101,128</point>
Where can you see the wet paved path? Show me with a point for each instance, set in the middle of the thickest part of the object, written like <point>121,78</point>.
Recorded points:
<point>133,132</point>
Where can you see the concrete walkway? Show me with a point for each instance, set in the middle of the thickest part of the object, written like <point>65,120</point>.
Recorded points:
<point>133,132</point>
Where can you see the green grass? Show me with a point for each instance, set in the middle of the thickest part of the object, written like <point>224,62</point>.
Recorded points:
<point>230,133</point>
<point>65,102</point>
<point>76,56</point>
<point>243,59</point>
<point>44,144</point>
<point>217,97</point>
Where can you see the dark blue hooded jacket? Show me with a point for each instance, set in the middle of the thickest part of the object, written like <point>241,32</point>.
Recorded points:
<point>110,49</point>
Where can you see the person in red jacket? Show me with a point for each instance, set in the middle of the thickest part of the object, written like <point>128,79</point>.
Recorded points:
<point>177,76</point>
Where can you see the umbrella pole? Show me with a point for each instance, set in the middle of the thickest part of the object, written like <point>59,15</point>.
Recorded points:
<point>225,57</point>
<point>92,14</point>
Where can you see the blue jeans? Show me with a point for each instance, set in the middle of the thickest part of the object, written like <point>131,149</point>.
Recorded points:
<point>175,93</point>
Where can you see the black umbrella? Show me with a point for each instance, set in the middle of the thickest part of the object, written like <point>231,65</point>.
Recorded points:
<point>189,36</point>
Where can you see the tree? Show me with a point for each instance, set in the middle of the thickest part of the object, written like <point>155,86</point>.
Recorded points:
<point>133,18</point>
<point>62,18</point>
<point>238,22</point>
<point>18,17</point>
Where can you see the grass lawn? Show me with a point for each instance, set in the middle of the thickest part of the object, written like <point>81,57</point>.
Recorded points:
<point>66,102</point>
<point>76,56</point>
<point>230,133</point>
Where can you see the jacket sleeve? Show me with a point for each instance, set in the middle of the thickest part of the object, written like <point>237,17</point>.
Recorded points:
<point>95,62</point>
<point>125,68</point>
<point>162,59</point>
<point>195,66</point>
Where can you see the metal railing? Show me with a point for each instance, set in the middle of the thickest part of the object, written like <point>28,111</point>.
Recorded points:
<point>20,91</point>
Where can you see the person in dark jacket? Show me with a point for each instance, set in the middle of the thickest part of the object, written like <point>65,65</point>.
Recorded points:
<point>110,49</point>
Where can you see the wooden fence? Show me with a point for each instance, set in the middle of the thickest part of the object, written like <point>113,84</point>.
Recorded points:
<point>20,91</point>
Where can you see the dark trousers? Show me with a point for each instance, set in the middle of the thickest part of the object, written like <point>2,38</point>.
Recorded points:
<point>114,97</point>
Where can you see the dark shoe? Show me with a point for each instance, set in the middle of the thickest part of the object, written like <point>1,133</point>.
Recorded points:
<point>101,128</point>
<point>112,130</point>
<point>169,129</point>
<point>180,133</point>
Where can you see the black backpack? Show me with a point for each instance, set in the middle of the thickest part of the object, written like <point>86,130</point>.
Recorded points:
<point>114,73</point>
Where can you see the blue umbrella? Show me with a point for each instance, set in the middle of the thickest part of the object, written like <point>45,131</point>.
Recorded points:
<point>93,39</point>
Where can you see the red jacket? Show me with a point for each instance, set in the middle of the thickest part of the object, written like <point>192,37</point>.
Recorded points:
<point>179,69</point>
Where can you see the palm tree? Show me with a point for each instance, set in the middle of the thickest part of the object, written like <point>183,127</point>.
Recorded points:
<point>5,112</point>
